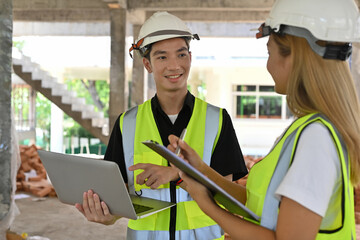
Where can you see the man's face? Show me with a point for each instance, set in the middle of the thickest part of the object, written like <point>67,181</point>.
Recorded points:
<point>170,62</point>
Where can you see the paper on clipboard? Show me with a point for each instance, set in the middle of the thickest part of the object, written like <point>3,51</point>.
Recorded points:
<point>220,195</point>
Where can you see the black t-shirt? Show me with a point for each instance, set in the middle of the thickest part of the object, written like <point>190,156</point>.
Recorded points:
<point>226,159</point>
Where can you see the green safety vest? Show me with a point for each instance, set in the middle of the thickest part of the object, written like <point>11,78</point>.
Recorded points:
<point>266,175</point>
<point>204,127</point>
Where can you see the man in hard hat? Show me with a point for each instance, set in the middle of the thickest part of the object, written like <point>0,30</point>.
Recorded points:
<point>164,47</point>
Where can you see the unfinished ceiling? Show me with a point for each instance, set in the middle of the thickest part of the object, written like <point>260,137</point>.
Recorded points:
<point>139,10</point>
<point>215,17</point>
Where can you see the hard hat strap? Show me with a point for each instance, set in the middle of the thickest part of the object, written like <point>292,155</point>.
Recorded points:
<point>168,32</point>
<point>340,52</point>
<point>330,51</point>
<point>136,46</point>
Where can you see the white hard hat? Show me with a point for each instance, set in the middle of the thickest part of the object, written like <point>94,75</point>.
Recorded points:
<point>161,26</point>
<point>327,20</point>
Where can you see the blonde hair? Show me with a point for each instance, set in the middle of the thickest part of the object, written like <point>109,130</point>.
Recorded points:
<point>325,86</point>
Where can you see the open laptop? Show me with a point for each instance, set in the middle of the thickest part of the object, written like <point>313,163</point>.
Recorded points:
<point>72,175</point>
<point>220,195</point>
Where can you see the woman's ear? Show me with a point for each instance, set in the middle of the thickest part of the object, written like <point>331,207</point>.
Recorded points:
<point>147,65</point>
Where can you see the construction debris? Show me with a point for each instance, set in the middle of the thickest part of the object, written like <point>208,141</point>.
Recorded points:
<point>31,176</point>
<point>357,204</point>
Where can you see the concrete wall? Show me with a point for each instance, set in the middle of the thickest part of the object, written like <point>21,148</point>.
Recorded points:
<point>5,106</point>
<point>255,136</point>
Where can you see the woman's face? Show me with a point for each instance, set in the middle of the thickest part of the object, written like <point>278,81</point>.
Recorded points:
<point>278,66</point>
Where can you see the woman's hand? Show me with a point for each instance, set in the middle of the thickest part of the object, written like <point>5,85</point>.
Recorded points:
<point>186,152</point>
<point>198,192</point>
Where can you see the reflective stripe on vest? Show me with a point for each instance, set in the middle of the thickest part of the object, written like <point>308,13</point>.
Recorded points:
<point>198,234</point>
<point>280,159</point>
<point>203,131</point>
<point>271,203</point>
<point>128,143</point>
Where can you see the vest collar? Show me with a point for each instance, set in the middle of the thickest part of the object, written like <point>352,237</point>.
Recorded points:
<point>188,104</point>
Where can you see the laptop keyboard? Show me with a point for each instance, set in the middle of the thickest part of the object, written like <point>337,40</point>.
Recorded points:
<point>141,208</point>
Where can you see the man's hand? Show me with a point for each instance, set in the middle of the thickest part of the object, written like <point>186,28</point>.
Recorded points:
<point>154,175</point>
<point>187,153</point>
<point>95,210</point>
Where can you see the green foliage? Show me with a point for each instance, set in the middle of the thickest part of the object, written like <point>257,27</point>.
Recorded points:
<point>19,44</point>
<point>76,86</point>
<point>43,120</point>
<point>201,88</point>
<point>20,103</point>
<point>71,127</point>
<point>103,90</point>
<point>21,109</point>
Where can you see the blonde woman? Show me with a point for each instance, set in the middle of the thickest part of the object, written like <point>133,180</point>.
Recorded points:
<point>303,189</point>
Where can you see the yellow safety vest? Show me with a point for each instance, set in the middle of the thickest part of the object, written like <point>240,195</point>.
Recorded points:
<point>266,175</point>
<point>203,130</point>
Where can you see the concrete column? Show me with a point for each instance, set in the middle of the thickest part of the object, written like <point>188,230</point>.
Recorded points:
<point>137,87</point>
<point>32,114</point>
<point>118,85</point>
<point>57,121</point>
<point>56,129</point>
<point>32,108</point>
<point>5,107</point>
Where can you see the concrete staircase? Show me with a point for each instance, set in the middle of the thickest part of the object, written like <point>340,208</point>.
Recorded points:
<point>65,99</point>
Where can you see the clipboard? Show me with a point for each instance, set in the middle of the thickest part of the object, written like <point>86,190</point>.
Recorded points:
<point>220,195</point>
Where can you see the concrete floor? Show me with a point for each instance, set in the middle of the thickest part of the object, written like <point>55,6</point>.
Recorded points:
<point>57,221</point>
<point>54,220</point>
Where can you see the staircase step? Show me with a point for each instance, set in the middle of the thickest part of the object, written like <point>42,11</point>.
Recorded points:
<point>16,56</point>
<point>28,66</point>
<point>59,89</point>
<point>99,122</point>
<point>105,128</point>
<point>48,81</point>
<point>38,74</point>
<point>78,104</point>
<point>89,112</point>
<point>69,97</point>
